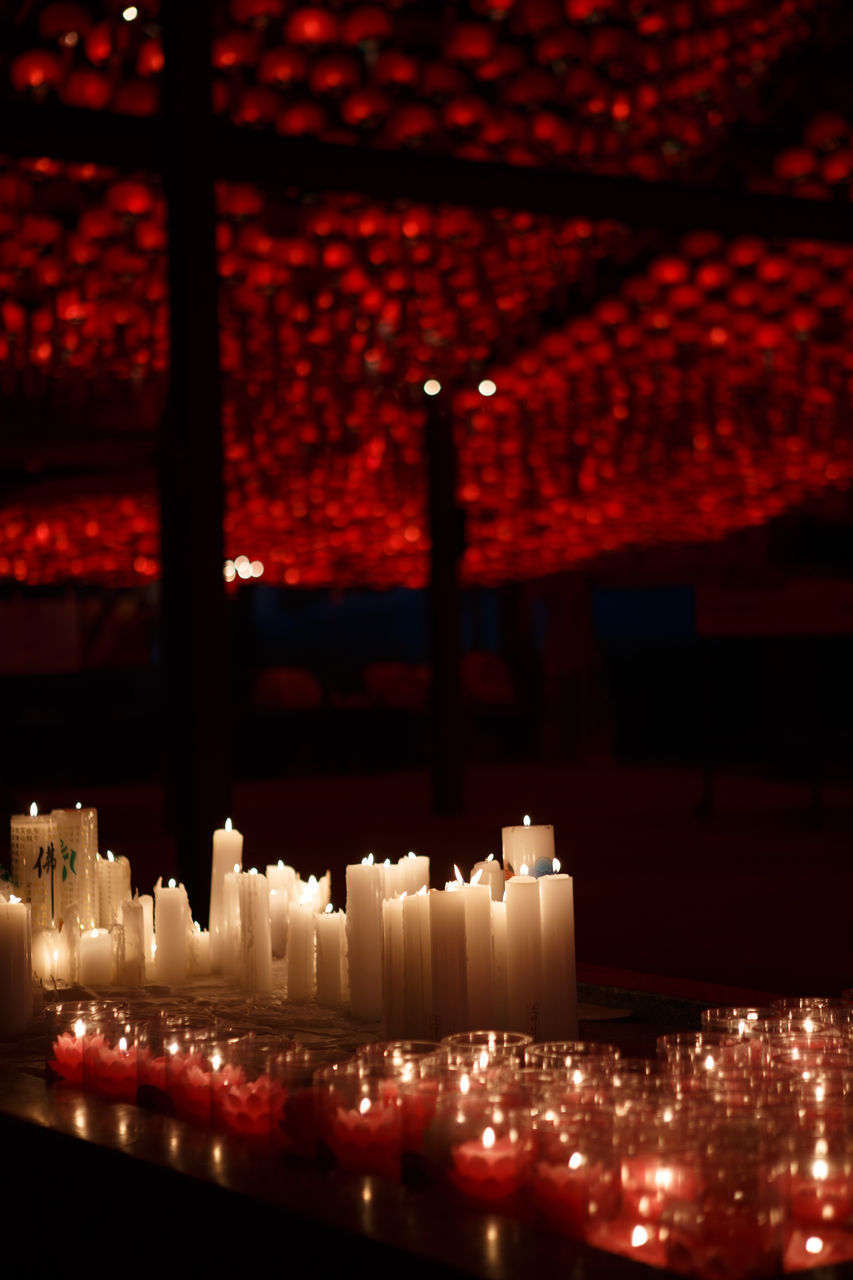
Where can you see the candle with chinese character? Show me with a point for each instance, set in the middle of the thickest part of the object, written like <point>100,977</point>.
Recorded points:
<point>77,847</point>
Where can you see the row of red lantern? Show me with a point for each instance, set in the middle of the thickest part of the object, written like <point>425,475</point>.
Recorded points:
<point>545,86</point>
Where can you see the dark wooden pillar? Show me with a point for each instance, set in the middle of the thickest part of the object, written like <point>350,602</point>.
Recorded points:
<point>446,534</point>
<point>196,676</point>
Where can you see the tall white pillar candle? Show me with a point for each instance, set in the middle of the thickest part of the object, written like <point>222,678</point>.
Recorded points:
<point>528,846</point>
<point>559,1020</point>
<point>501,1016</point>
<point>229,928</point>
<point>16,982</point>
<point>447,945</point>
<point>394,976</point>
<point>113,880</point>
<point>131,963</point>
<point>77,847</point>
<point>478,955</point>
<point>255,945</point>
<point>365,940</point>
<point>34,865</point>
<point>331,936</point>
<point>492,874</point>
<point>279,915</point>
<point>200,952</point>
<point>300,953</point>
<point>417,960</point>
<point>147,903</point>
<point>523,954</point>
<point>227,853</point>
<point>172,923</point>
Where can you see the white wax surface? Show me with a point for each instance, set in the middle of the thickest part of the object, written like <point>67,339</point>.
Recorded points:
<point>96,958</point>
<point>255,945</point>
<point>113,883</point>
<point>525,846</point>
<point>559,1020</point>
<point>365,940</point>
<point>417,962</point>
<point>394,977</point>
<point>300,953</point>
<point>16,983</point>
<point>449,977</point>
<point>46,961</point>
<point>200,952</point>
<point>279,915</point>
<point>524,954</point>
<point>493,876</point>
<point>478,953</point>
<point>171,926</point>
<point>499,965</point>
<point>227,853</point>
<point>331,935</point>
<point>131,963</point>
<point>34,844</point>
<point>228,939</point>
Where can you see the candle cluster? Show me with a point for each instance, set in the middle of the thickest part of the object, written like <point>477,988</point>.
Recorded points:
<point>728,1154</point>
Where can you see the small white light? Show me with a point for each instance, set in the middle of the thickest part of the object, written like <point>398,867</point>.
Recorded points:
<point>575,1160</point>
<point>487,387</point>
<point>229,573</point>
<point>34,810</point>
<point>814,1244</point>
<point>110,856</point>
<point>364,1106</point>
<point>130,14</point>
<point>432,386</point>
<point>78,805</point>
<point>639,1236</point>
<point>526,819</point>
<point>328,909</point>
<point>257,569</point>
<point>172,884</point>
<point>228,826</point>
<point>556,864</point>
<point>488,1137</point>
<point>525,870</point>
<point>253,871</point>
<point>244,570</point>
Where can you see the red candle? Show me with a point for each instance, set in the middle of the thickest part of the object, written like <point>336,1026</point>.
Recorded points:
<point>294,1121</point>
<point>188,1084</point>
<point>633,1239</point>
<point>241,1105</point>
<point>67,1061</point>
<point>110,1071</point>
<point>564,1192</point>
<point>367,1140</point>
<point>650,1181</point>
<point>489,1168</point>
<point>816,1247</point>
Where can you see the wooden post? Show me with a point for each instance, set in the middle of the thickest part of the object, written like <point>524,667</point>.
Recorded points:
<point>196,676</point>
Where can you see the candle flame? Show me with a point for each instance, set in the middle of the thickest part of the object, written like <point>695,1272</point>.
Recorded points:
<point>364,1106</point>
<point>639,1236</point>
<point>312,881</point>
<point>556,864</point>
<point>280,865</point>
<point>172,884</point>
<point>12,898</point>
<point>488,1137</point>
<point>79,1028</point>
<point>820,1170</point>
<point>575,1160</point>
<point>387,862</point>
<point>483,1059</point>
<point>253,871</point>
<point>477,876</point>
<point>464,1083</point>
<point>34,810</point>
<point>490,858</point>
<point>368,861</point>
<point>814,1244</point>
<point>525,870</point>
<point>422,891</point>
<point>526,819</point>
<point>410,854</point>
<point>236,866</point>
<point>110,856</point>
<point>328,909</point>
<point>228,826</point>
<point>122,1044</point>
<point>459,877</point>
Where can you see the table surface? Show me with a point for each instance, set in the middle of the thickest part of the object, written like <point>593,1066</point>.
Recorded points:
<point>119,1182</point>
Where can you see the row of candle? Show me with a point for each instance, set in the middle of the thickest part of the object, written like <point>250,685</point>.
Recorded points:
<point>728,1155</point>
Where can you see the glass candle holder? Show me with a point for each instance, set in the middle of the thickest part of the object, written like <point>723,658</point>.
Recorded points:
<point>110,1058</point>
<point>574,1176</point>
<point>189,1073</point>
<point>486,1046</point>
<point>294,1120</point>
<point>480,1147</point>
<point>360,1118</point>
<point>241,1085</point>
<point>69,1026</point>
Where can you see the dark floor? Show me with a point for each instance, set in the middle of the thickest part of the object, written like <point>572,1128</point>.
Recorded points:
<point>757,895</point>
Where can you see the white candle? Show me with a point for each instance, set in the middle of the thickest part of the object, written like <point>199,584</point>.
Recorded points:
<point>528,846</point>
<point>449,981</point>
<point>559,982</point>
<point>255,945</point>
<point>113,880</point>
<point>199,952</point>
<point>365,940</point>
<point>147,903</point>
<point>229,927</point>
<point>16,983</point>
<point>394,977</point>
<point>46,955</point>
<point>227,853</point>
<point>279,915</point>
<point>416,872</point>
<point>130,963</point>
<point>523,954</point>
<point>96,958</point>
<point>300,953</point>
<point>172,923</point>
<point>478,954</point>
<point>34,865</point>
<point>499,966</point>
<point>492,874</point>
<point>417,960</point>
<point>331,939</point>
<point>77,847</point>
<point>281,878</point>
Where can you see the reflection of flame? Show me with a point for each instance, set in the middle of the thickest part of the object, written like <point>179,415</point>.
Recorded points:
<point>79,1028</point>
<point>484,1059</point>
<point>639,1236</point>
<point>488,1137</point>
<point>820,1170</point>
<point>364,1106</point>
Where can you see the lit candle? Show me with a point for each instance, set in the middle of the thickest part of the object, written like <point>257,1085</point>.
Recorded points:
<point>300,953</point>
<point>255,945</point>
<point>34,865</point>
<point>394,973</point>
<point>490,1168</point>
<point>492,874</point>
<point>131,960</point>
<point>528,846</point>
<point>417,961</point>
<point>478,952</point>
<point>559,997</point>
<point>48,953</point>
<point>199,951</point>
<point>96,958</point>
<point>331,957</point>
<point>523,954</point>
<point>16,983</point>
<point>365,939</point>
<point>227,853</point>
<point>77,846</point>
<point>501,1016</point>
<point>113,881</point>
<point>172,923</point>
<point>449,971</point>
